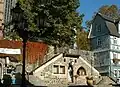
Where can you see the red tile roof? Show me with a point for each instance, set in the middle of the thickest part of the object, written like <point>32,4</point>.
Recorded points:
<point>34,50</point>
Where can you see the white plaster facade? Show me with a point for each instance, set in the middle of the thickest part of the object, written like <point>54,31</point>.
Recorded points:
<point>114,45</point>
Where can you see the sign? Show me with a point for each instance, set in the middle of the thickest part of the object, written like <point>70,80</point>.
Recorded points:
<point>10,51</point>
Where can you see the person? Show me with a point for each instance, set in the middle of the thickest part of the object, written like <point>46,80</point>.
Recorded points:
<point>70,70</point>
<point>13,79</point>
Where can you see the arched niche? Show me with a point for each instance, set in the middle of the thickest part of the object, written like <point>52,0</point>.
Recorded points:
<point>81,71</point>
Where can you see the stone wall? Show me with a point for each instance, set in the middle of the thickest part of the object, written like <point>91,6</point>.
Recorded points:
<point>46,71</point>
<point>90,71</point>
<point>86,55</point>
<point>46,74</point>
<point>1,18</point>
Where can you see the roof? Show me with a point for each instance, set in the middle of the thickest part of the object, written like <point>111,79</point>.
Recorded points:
<point>112,28</point>
<point>72,55</point>
<point>55,56</point>
<point>108,18</point>
<point>110,24</point>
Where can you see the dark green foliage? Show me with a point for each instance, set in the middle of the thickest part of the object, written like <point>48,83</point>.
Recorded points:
<point>57,19</point>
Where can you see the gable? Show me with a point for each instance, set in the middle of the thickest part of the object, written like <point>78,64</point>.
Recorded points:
<point>98,27</point>
<point>103,25</point>
<point>87,66</point>
<point>48,64</point>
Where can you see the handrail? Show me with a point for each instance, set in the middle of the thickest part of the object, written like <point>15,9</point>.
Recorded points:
<point>111,72</point>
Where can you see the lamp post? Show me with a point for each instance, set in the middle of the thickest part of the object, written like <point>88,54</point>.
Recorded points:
<point>21,25</point>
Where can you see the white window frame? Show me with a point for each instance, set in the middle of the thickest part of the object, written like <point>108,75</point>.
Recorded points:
<point>115,41</point>
<point>118,73</point>
<point>99,28</point>
<point>115,55</point>
<point>99,42</point>
<point>115,72</point>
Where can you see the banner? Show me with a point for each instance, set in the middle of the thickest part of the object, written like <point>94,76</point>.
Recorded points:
<point>10,51</point>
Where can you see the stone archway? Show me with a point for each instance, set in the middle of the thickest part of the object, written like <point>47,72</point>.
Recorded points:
<point>81,71</point>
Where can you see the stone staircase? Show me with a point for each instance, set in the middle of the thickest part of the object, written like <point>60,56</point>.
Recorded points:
<point>105,82</point>
<point>36,81</point>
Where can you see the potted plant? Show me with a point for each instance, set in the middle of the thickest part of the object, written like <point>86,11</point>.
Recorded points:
<point>89,80</point>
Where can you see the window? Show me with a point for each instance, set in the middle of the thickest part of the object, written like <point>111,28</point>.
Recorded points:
<point>96,26</point>
<point>115,73</point>
<point>62,69</point>
<point>119,73</point>
<point>64,60</point>
<point>115,41</point>
<point>59,69</point>
<point>114,55</point>
<point>99,28</point>
<point>75,61</point>
<point>56,69</point>
<point>99,42</point>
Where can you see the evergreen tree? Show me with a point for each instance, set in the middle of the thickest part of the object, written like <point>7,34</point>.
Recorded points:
<point>57,19</point>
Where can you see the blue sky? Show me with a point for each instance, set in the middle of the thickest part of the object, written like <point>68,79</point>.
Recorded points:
<point>88,7</point>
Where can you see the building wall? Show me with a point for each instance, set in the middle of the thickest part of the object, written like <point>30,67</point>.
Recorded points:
<point>100,43</point>
<point>105,47</point>
<point>115,54</point>
<point>8,5</point>
<point>115,43</point>
<point>99,34</point>
<point>98,27</point>
<point>1,18</point>
<point>1,11</point>
<point>46,72</point>
<point>101,58</point>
